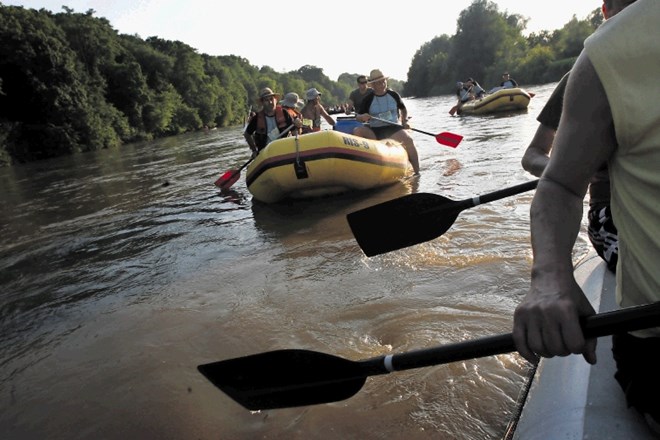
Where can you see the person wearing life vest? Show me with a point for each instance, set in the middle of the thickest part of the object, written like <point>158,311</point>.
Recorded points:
<point>292,104</point>
<point>508,82</point>
<point>269,123</point>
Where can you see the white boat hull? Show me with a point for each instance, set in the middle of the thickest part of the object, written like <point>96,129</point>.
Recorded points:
<point>570,399</point>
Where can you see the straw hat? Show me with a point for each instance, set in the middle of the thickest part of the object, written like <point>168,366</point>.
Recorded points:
<point>266,92</point>
<point>376,75</point>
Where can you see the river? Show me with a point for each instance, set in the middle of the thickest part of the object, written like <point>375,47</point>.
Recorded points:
<point>122,270</point>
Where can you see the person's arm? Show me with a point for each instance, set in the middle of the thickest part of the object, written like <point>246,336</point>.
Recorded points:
<point>403,114</point>
<point>351,103</point>
<point>362,114</point>
<point>402,111</point>
<point>327,116</point>
<point>537,155</point>
<point>291,120</point>
<point>546,322</point>
<point>248,134</point>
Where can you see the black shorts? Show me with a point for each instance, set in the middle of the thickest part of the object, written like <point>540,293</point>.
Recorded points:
<point>637,372</point>
<point>603,235</point>
<point>385,132</point>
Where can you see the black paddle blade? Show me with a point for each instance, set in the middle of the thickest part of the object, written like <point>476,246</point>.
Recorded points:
<point>285,378</point>
<point>402,222</point>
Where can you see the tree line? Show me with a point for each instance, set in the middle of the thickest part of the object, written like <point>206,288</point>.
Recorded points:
<point>69,82</point>
<point>488,43</point>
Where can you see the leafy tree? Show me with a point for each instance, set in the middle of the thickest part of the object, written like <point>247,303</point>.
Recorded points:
<point>46,101</point>
<point>536,63</point>
<point>571,37</point>
<point>596,18</point>
<point>481,31</point>
<point>69,82</point>
<point>93,40</point>
<point>429,70</point>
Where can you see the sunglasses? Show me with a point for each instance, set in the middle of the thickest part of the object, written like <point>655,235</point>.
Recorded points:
<point>362,82</point>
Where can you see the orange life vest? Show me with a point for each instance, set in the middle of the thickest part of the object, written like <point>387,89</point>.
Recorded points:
<point>280,119</point>
<point>260,134</point>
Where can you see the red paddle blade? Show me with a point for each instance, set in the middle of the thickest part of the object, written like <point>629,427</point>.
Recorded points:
<point>228,179</point>
<point>449,139</point>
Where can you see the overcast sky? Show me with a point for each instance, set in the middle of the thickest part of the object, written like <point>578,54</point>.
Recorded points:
<point>338,36</point>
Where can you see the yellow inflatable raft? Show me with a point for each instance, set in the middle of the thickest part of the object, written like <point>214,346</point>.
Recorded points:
<point>323,163</point>
<point>502,100</point>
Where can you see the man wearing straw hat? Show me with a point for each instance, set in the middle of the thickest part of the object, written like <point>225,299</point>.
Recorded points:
<point>269,123</point>
<point>384,110</point>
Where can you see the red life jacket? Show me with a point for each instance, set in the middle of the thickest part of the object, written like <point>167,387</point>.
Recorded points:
<point>292,112</point>
<point>260,135</point>
<point>280,119</point>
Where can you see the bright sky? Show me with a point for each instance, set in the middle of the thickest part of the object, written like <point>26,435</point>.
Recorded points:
<point>338,36</point>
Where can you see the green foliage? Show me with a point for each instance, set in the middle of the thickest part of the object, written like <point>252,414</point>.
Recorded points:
<point>488,42</point>
<point>535,64</point>
<point>429,64</point>
<point>50,103</point>
<point>70,83</point>
<point>571,37</point>
<point>471,52</point>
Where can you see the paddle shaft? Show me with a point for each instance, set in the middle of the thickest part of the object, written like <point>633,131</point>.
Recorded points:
<point>453,208</point>
<point>417,217</point>
<point>226,180</point>
<point>445,138</point>
<point>288,378</point>
<point>245,164</point>
<point>399,125</point>
<point>247,120</point>
<point>619,321</point>
<point>503,193</point>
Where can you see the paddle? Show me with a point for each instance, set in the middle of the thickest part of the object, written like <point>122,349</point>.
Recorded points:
<point>288,378</point>
<point>247,120</point>
<point>416,218</point>
<point>445,138</point>
<point>453,110</point>
<point>226,180</point>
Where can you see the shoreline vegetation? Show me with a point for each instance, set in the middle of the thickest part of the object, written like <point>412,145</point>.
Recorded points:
<point>70,83</point>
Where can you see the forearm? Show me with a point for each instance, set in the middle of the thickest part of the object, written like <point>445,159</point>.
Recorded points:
<point>537,156</point>
<point>546,322</point>
<point>364,117</point>
<point>328,118</point>
<point>555,217</point>
<point>250,141</point>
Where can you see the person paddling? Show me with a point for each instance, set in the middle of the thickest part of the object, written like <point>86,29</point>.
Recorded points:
<point>268,123</point>
<point>385,103</point>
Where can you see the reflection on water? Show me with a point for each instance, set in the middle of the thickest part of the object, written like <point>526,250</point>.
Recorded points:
<point>122,270</point>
